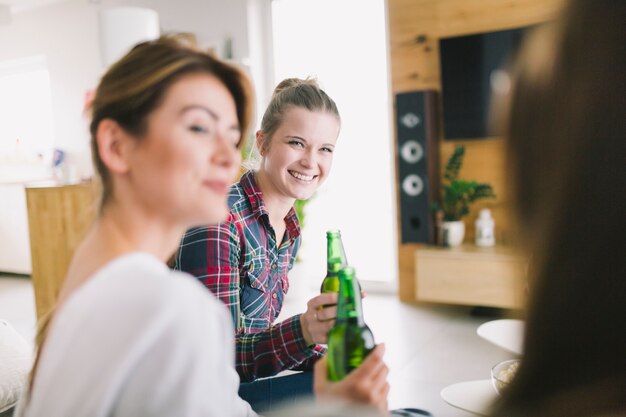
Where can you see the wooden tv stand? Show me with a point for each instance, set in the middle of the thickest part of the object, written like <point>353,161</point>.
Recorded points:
<point>470,275</point>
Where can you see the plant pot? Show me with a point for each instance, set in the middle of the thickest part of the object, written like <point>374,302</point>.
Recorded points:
<point>453,233</point>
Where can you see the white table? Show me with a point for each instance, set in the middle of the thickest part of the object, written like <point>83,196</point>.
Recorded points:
<point>472,396</point>
<point>477,396</point>
<point>507,334</point>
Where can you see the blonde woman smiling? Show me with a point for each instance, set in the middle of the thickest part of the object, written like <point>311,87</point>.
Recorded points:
<point>245,261</point>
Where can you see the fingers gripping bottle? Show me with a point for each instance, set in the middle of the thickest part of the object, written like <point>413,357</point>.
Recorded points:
<point>350,340</point>
<point>335,260</point>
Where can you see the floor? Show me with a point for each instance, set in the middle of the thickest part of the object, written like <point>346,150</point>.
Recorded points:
<point>427,346</point>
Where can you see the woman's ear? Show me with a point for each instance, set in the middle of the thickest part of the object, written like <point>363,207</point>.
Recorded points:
<point>113,146</point>
<point>260,142</point>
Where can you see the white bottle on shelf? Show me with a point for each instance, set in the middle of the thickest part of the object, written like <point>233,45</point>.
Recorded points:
<point>485,229</point>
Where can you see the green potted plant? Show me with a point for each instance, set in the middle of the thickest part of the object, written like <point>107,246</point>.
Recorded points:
<point>456,197</point>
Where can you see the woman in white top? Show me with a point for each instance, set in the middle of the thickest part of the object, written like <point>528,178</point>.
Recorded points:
<point>129,337</point>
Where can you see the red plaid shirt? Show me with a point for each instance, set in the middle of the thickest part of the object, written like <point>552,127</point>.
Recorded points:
<point>240,262</point>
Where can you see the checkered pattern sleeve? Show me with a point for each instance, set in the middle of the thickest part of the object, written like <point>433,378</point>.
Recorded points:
<point>212,255</point>
<point>280,347</point>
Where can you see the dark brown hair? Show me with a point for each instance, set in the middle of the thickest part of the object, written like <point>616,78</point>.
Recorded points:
<point>567,157</point>
<point>135,86</point>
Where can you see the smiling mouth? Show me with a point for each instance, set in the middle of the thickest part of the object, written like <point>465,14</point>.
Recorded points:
<point>301,177</point>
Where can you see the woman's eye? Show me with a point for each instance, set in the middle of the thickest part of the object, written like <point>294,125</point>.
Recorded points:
<point>327,149</point>
<point>198,129</point>
<point>235,139</point>
<point>296,143</point>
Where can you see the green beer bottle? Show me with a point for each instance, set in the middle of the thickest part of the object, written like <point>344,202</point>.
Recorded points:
<point>335,260</point>
<point>350,340</point>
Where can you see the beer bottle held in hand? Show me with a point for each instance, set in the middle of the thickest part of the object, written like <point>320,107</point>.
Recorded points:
<point>350,340</point>
<point>335,260</point>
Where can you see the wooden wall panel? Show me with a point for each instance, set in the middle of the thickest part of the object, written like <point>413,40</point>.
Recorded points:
<point>415,27</point>
<point>413,50</point>
<point>58,219</point>
<point>484,161</point>
<point>462,17</point>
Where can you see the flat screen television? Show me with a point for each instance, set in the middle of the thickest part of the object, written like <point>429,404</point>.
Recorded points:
<point>467,65</point>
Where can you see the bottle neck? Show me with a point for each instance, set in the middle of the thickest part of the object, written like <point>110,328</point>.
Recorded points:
<point>333,266</point>
<point>335,254</point>
<point>349,307</point>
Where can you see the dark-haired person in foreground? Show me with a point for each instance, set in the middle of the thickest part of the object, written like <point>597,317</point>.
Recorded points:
<point>567,157</point>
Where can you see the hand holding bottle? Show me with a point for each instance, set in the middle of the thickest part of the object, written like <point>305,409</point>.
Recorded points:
<point>319,318</point>
<point>366,384</point>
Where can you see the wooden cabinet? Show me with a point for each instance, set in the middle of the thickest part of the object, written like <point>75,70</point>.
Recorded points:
<point>58,219</point>
<point>470,275</point>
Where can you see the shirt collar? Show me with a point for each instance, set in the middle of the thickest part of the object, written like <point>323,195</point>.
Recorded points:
<point>255,196</point>
<point>293,224</point>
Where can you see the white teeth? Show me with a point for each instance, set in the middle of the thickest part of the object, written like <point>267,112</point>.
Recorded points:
<point>301,176</point>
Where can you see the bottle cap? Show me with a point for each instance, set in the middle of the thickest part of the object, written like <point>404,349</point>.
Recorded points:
<point>347,271</point>
<point>484,218</point>
<point>485,213</point>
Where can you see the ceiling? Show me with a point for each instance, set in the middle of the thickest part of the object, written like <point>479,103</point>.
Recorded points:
<point>18,6</point>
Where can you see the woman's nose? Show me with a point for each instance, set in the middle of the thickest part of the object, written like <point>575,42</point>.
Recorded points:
<point>308,159</point>
<point>226,153</point>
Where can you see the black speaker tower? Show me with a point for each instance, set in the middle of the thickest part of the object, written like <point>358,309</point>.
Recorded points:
<point>417,154</point>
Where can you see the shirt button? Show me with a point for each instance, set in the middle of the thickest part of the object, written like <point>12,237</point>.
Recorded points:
<point>274,295</point>
<point>273,266</point>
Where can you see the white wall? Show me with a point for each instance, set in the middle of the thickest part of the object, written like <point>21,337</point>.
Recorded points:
<point>351,66</point>
<point>67,34</point>
<point>210,20</point>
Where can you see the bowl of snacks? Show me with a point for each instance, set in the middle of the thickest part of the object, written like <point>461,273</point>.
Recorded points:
<point>503,373</point>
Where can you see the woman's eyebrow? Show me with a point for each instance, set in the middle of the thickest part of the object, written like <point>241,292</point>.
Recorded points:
<point>211,113</point>
<point>305,141</point>
<point>207,110</point>
<point>295,137</point>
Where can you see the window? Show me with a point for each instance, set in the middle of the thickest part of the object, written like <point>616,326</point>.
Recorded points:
<point>344,44</point>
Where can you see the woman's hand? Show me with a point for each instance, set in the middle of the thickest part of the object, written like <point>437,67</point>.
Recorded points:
<point>365,385</point>
<point>319,318</point>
